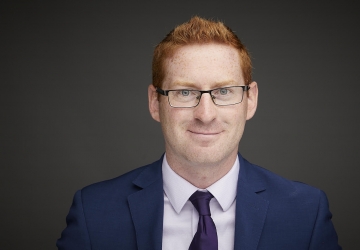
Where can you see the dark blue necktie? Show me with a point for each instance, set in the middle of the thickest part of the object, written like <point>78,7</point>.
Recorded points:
<point>206,236</point>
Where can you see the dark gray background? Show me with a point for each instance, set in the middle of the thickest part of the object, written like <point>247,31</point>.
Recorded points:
<point>74,77</point>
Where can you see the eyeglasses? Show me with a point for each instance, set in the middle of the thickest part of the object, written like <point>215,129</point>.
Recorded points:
<point>189,98</point>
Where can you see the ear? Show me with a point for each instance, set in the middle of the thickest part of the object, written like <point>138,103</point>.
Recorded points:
<point>153,103</point>
<point>252,100</point>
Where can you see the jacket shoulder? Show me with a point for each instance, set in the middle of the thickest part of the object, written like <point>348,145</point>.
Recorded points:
<point>123,185</point>
<point>298,215</point>
<point>277,186</point>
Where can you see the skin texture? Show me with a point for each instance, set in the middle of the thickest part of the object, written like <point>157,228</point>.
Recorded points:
<point>201,143</point>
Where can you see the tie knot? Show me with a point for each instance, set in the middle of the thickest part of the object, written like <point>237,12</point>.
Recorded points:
<point>201,200</point>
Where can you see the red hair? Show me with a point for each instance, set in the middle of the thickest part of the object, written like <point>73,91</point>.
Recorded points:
<point>197,31</point>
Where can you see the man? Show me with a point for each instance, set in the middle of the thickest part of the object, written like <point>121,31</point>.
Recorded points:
<point>201,194</point>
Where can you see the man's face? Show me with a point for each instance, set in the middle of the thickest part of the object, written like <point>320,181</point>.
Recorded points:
<point>206,134</point>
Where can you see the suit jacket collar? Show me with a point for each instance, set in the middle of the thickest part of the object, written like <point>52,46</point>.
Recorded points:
<point>147,207</point>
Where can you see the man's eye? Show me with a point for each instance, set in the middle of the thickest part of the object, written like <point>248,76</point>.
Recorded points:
<point>185,92</point>
<point>223,91</point>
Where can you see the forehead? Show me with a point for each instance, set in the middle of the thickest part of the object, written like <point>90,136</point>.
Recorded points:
<point>205,64</point>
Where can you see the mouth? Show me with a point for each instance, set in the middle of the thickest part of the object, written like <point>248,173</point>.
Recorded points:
<point>204,138</point>
<point>204,133</point>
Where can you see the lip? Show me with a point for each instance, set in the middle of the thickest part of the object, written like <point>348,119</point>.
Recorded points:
<point>204,133</point>
<point>204,137</point>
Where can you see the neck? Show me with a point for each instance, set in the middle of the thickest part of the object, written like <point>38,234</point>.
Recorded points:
<point>201,175</point>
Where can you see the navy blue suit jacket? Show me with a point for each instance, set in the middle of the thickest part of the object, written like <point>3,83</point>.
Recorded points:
<point>126,213</point>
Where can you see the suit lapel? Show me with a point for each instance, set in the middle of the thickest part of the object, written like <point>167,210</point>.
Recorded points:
<point>251,209</point>
<point>147,208</point>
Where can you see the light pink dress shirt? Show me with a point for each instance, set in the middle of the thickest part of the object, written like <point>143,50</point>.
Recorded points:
<point>181,218</point>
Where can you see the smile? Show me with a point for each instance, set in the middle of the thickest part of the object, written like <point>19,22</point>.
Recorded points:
<point>204,133</point>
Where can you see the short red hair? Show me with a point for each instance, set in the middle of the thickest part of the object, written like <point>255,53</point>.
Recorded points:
<point>197,31</point>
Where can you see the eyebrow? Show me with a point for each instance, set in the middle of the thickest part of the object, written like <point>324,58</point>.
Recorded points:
<point>184,84</point>
<point>194,86</point>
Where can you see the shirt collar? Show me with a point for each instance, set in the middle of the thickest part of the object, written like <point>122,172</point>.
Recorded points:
<point>178,190</point>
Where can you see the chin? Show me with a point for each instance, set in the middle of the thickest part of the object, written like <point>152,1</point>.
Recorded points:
<point>206,156</point>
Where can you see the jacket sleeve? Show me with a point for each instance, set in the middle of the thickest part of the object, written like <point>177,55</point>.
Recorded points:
<point>75,236</point>
<point>324,235</point>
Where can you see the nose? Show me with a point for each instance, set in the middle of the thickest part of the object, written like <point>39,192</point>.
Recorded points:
<point>206,110</point>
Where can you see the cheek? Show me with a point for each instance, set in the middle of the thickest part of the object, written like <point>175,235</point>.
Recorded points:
<point>172,120</point>
<point>235,114</point>
<point>237,123</point>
